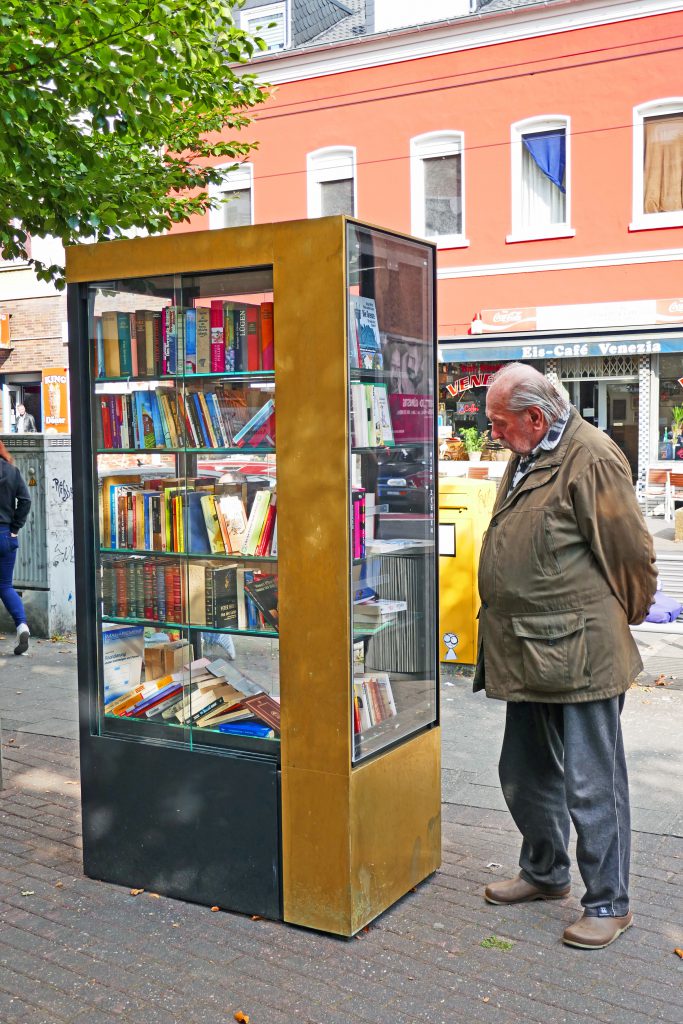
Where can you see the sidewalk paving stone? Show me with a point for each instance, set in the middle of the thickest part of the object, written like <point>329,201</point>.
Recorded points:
<point>80,951</point>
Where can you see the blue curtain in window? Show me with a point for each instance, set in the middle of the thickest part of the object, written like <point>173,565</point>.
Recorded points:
<point>548,151</point>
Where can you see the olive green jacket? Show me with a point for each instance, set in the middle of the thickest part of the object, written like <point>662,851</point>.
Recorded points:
<point>566,564</point>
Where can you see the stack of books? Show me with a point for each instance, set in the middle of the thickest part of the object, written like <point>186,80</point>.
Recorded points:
<point>205,695</point>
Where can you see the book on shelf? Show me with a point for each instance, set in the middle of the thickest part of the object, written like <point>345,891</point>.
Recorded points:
<point>211,594</point>
<point>253,337</point>
<point>203,339</point>
<point>373,699</point>
<point>266,708</point>
<point>256,521</point>
<point>98,349</point>
<point>259,429</point>
<point>267,336</point>
<point>217,336</point>
<point>124,342</point>
<point>233,519</point>
<point>378,609</point>
<point>358,522</point>
<point>110,343</point>
<point>371,422</point>
<point>262,588</point>
<point>365,333</point>
<point>212,524</point>
<point>253,729</point>
<point>122,654</point>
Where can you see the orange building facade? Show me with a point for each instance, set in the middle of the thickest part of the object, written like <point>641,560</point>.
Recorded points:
<point>436,131</point>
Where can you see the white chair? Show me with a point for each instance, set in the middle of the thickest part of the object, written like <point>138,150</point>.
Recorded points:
<point>654,492</point>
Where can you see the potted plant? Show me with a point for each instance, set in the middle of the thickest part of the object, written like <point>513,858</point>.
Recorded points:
<point>474,441</point>
<point>677,415</point>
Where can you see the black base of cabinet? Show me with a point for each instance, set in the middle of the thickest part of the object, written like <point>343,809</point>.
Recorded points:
<point>186,824</point>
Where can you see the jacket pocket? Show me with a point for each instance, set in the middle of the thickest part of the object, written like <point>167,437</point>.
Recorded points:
<point>554,651</point>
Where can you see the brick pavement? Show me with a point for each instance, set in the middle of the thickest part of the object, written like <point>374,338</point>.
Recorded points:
<point>76,950</point>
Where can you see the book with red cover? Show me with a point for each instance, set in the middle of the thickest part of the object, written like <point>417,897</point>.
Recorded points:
<point>253,337</point>
<point>264,707</point>
<point>267,337</point>
<point>107,437</point>
<point>217,321</point>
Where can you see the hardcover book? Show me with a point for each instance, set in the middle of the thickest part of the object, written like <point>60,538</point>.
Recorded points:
<point>266,708</point>
<point>364,314</point>
<point>263,591</point>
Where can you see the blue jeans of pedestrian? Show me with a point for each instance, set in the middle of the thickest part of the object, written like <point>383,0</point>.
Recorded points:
<point>8,555</point>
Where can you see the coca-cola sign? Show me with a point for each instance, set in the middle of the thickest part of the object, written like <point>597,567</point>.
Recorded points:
<point>522,318</point>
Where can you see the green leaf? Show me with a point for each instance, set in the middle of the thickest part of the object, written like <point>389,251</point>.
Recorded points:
<point>110,110</point>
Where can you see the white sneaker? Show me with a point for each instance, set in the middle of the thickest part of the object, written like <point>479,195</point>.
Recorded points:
<point>22,640</point>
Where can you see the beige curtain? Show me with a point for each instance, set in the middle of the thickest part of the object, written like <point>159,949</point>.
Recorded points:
<point>663,174</point>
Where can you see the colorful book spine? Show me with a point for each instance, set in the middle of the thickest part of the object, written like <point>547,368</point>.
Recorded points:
<point>267,337</point>
<point>140,342</point>
<point>256,421</point>
<point>358,518</point>
<point>253,338</point>
<point>203,332</point>
<point>124,338</point>
<point>217,336</point>
<point>190,341</point>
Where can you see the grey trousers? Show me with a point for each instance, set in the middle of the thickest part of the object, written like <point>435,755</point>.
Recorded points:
<point>562,761</point>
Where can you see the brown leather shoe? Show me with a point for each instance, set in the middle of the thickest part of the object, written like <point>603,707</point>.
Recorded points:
<point>596,932</point>
<point>517,890</point>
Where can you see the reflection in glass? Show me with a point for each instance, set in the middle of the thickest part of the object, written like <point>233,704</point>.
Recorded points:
<point>391,364</point>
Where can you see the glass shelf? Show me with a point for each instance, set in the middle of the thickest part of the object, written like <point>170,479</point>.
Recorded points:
<point>181,627</point>
<point>173,378</point>
<point>189,554</point>
<point>186,451</point>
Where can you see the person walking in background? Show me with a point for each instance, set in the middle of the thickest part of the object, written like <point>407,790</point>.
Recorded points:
<point>25,422</point>
<point>15,504</point>
<point>566,564</point>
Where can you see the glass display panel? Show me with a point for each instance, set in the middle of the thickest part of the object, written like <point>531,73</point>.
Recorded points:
<point>183,423</point>
<point>670,443</point>
<point>391,351</point>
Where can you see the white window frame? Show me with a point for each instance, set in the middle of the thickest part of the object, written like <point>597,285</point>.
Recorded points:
<point>234,179</point>
<point>254,16</point>
<point>331,163</point>
<point>647,221</point>
<point>425,147</point>
<point>521,232</point>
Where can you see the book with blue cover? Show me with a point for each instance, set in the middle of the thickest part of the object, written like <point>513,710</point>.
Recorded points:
<point>190,341</point>
<point>366,329</point>
<point>196,535</point>
<point>257,420</point>
<point>247,729</point>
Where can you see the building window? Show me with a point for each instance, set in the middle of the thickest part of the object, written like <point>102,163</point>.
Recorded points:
<point>540,179</point>
<point>437,188</point>
<point>670,419</point>
<point>236,191</point>
<point>331,181</point>
<point>658,164</point>
<point>270,22</point>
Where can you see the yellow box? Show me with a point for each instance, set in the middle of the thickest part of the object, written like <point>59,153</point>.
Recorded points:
<point>465,508</point>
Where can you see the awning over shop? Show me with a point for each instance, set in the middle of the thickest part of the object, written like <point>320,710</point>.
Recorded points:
<point>496,350</point>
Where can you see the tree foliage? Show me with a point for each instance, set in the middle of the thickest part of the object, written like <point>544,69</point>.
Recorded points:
<point>111,112</point>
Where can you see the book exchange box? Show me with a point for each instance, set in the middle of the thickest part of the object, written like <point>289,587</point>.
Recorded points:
<point>254,477</point>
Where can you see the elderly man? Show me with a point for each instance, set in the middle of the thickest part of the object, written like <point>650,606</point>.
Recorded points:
<point>566,565</point>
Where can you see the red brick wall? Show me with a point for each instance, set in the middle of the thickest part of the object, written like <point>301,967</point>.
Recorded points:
<point>36,333</point>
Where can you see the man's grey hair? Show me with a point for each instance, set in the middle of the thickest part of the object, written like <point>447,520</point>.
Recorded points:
<point>528,387</point>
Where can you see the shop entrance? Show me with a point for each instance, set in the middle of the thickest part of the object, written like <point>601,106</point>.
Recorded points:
<point>610,404</point>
